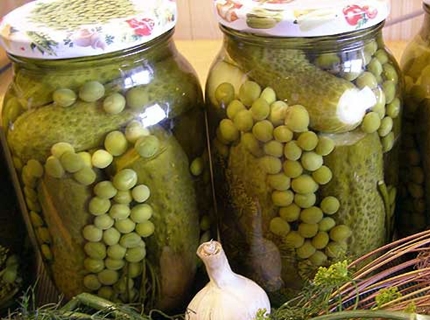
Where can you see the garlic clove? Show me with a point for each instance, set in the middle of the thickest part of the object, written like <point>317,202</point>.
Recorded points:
<point>227,296</point>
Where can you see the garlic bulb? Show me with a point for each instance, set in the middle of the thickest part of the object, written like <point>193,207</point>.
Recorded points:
<point>227,296</point>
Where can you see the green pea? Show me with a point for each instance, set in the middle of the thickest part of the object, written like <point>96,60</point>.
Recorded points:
<point>125,225</point>
<point>94,265</point>
<point>325,146</point>
<point>389,88</point>
<point>292,169</point>
<point>375,67</point>
<point>297,118</point>
<point>243,120</point>
<point>95,250</point>
<point>305,200</point>
<point>71,162</point>
<point>307,141</point>
<point>327,60</point>
<point>263,130</point>
<point>130,240</point>
<point>304,184</point>
<point>319,258</point>
<point>371,122</point>
<point>282,198</point>
<point>292,151</point>
<point>99,206</point>
<point>111,236</point>
<point>43,235</point>
<point>92,233</point>
<point>322,175</point>
<point>311,161</point>
<point>366,79</point>
<point>54,168</point>
<point>269,95</point>
<point>123,197</point>
<point>119,211</point>
<point>306,250</point>
<point>141,213</point>
<point>86,158</point>
<point>382,56</point>
<point>279,226</point>
<point>233,108</point>
<point>293,240</point>
<point>390,73</point>
<point>282,134</point>
<point>137,98</point>
<point>114,264</point>
<point>330,205</point>
<point>260,109</point>
<point>46,252</point>
<point>278,111</point>
<point>85,176</point>
<point>30,193</point>
<point>108,277</point>
<point>197,166</point>
<point>135,254</point>
<point>106,292</point>
<point>134,131</point>
<point>308,230</point>
<point>91,91</point>
<point>273,148</point>
<point>224,93</point>
<point>125,179</point>
<point>326,224</point>
<point>145,228</point>
<point>393,108</point>
<point>64,97</point>
<point>35,168</point>
<point>114,103</point>
<point>134,269</point>
<point>249,91</point>
<point>105,190</point>
<point>340,233</point>
<point>116,143</point>
<point>271,165</point>
<point>321,240</point>
<point>387,142</point>
<point>381,101</point>
<point>36,219</point>
<point>278,181</point>
<point>290,213</point>
<point>92,282</point>
<point>140,193</point>
<point>311,215</point>
<point>103,222</point>
<point>228,130</point>
<point>335,250</point>
<point>101,159</point>
<point>371,47</point>
<point>386,126</point>
<point>147,146</point>
<point>116,251</point>
<point>205,222</point>
<point>252,144</point>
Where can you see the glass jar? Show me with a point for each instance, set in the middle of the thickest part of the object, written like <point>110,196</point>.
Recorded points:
<point>413,200</point>
<point>303,125</point>
<point>104,122</point>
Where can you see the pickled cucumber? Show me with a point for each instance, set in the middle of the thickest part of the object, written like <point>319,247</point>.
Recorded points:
<point>171,249</point>
<point>334,104</point>
<point>357,168</point>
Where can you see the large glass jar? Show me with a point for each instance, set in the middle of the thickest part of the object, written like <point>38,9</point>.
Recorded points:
<point>414,198</point>
<point>304,121</point>
<point>104,123</point>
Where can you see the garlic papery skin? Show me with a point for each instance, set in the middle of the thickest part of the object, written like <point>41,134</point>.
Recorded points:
<point>228,295</point>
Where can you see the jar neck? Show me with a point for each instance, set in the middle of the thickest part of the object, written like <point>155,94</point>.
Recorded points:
<point>344,42</point>
<point>154,50</point>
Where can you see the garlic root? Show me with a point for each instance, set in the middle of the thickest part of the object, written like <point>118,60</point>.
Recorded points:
<point>227,296</point>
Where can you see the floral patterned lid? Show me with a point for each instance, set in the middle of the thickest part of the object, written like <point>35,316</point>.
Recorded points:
<point>58,29</point>
<point>300,18</point>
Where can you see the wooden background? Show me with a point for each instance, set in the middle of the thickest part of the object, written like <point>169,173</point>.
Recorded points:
<point>196,20</point>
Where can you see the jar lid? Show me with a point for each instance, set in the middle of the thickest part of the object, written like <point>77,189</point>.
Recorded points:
<point>58,29</point>
<point>300,18</point>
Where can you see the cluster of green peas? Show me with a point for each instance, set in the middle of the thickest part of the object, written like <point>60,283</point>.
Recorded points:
<point>293,158</point>
<point>382,78</point>
<point>9,269</point>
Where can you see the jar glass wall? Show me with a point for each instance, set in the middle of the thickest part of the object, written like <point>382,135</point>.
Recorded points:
<point>303,136</point>
<point>112,159</point>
